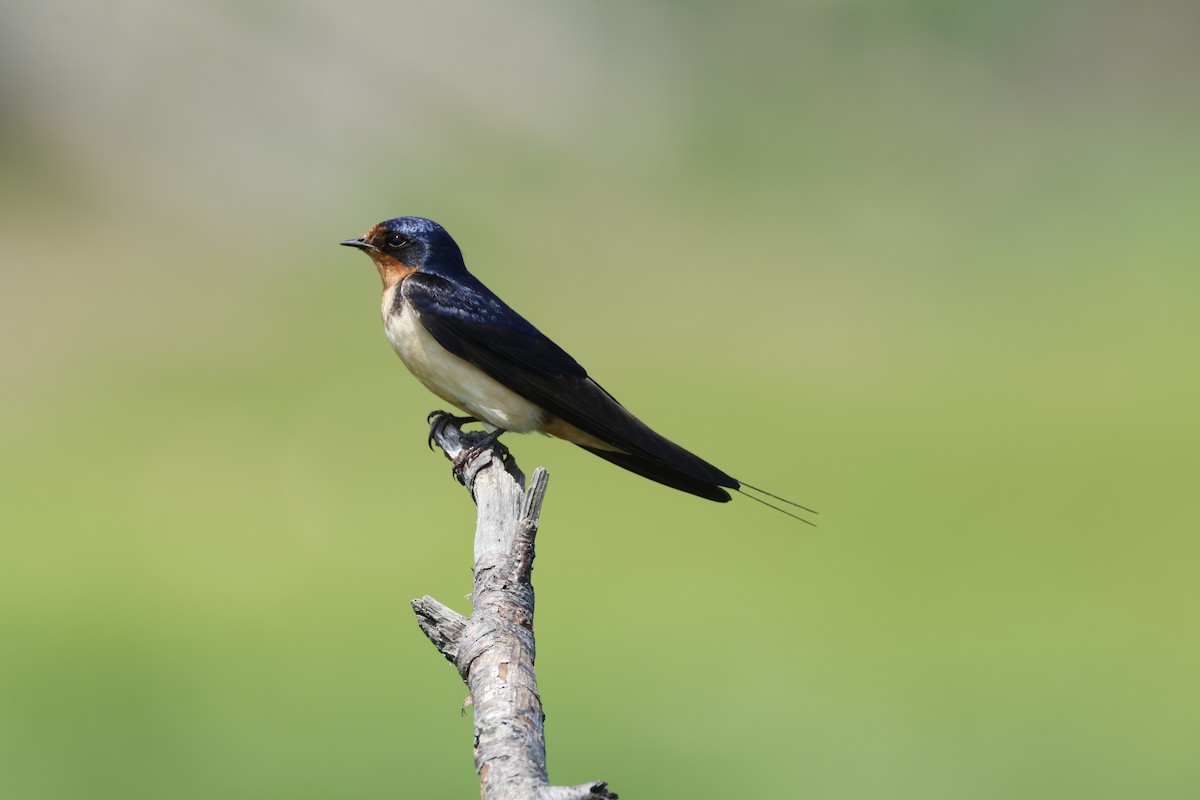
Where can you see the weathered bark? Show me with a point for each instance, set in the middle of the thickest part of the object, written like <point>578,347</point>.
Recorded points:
<point>494,648</point>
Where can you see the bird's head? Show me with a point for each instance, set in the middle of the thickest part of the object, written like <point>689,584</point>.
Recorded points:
<point>402,246</point>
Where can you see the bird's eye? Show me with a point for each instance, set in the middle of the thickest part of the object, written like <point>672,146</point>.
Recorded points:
<point>396,240</point>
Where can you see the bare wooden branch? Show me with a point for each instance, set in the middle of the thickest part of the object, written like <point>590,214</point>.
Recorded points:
<point>444,626</point>
<point>494,648</point>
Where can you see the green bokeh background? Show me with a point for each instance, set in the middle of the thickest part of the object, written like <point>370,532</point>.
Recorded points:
<point>928,266</point>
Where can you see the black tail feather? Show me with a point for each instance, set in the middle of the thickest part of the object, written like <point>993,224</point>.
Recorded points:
<point>668,476</point>
<point>775,497</point>
<point>774,507</point>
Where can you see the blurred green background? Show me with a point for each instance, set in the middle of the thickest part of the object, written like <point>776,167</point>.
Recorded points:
<point>928,266</point>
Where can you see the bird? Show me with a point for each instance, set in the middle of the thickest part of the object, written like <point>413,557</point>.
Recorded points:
<point>472,350</point>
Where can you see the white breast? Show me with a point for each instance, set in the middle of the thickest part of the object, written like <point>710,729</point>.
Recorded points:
<point>453,379</point>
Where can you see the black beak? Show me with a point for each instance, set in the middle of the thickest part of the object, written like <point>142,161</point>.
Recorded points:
<point>361,244</point>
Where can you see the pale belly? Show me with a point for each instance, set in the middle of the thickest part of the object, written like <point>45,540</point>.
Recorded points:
<point>455,380</point>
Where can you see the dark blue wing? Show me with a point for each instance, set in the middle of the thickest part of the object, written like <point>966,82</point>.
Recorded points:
<point>477,326</point>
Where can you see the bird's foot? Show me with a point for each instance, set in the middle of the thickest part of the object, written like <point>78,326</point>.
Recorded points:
<point>440,419</point>
<point>477,448</point>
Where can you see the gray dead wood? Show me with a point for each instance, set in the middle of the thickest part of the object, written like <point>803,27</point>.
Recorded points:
<point>493,649</point>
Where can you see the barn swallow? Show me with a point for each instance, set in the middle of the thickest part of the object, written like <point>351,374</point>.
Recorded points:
<point>470,349</point>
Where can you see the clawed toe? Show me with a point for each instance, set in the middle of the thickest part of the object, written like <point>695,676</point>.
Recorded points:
<point>471,452</point>
<point>438,419</point>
